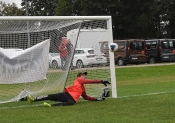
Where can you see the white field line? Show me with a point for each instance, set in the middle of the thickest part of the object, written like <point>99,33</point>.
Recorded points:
<point>156,93</point>
<point>22,106</point>
<point>148,94</point>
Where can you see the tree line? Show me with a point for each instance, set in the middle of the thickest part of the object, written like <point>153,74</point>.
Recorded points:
<point>130,18</point>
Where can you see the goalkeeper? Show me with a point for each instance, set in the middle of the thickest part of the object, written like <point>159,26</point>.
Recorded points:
<point>71,94</point>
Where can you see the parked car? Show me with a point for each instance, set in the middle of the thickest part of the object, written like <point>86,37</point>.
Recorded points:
<point>167,49</point>
<point>82,57</point>
<point>129,51</point>
<point>153,50</point>
<point>161,49</point>
<point>54,60</point>
<point>86,57</point>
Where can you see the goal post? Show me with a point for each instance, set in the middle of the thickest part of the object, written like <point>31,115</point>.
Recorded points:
<point>32,57</point>
<point>112,64</point>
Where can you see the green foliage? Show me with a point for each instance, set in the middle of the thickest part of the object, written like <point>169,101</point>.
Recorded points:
<point>64,8</point>
<point>10,9</point>
<point>40,7</point>
<point>130,19</point>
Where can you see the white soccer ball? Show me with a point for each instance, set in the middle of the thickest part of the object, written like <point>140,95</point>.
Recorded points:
<point>113,47</point>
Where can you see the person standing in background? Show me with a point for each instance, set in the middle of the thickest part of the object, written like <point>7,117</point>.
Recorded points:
<point>63,50</point>
<point>70,49</point>
<point>69,46</point>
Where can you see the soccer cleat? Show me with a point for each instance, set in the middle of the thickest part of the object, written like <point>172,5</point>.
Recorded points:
<point>30,99</point>
<point>46,104</point>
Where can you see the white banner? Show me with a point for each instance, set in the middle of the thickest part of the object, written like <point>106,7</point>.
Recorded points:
<point>21,66</point>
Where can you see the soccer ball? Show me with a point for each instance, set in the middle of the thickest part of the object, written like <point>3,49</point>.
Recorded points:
<point>113,47</point>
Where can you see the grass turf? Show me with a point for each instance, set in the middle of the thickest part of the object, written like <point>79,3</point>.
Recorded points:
<point>145,94</point>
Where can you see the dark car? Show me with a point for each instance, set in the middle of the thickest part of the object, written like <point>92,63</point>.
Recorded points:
<point>153,50</point>
<point>167,49</point>
<point>129,51</point>
<point>160,50</point>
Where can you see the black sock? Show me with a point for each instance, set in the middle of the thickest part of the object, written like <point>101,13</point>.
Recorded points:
<point>68,103</point>
<point>41,98</point>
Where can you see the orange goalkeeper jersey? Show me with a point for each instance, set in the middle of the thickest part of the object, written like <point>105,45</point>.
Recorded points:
<point>78,88</point>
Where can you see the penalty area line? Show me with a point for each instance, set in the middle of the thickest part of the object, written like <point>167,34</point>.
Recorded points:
<point>148,94</point>
<point>23,106</point>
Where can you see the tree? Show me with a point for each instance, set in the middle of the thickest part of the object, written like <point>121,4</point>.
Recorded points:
<point>84,7</point>
<point>10,9</point>
<point>65,7</point>
<point>130,19</point>
<point>40,7</point>
<point>171,24</point>
<point>88,8</point>
<point>163,12</point>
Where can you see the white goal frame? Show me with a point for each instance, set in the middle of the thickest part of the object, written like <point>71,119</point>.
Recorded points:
<point>109,26</point>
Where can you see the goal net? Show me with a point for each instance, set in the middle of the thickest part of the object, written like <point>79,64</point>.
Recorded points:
<point>43,55</point>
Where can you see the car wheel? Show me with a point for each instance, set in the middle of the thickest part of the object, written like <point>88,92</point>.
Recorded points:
<point>54,64</point>
<point>152,60</point>
<point>120,62</point>
<point>79,64</point>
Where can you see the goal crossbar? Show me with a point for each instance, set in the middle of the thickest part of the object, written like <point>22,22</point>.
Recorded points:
<point>55,17</point>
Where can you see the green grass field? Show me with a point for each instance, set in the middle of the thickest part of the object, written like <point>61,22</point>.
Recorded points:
<point>145,95</point>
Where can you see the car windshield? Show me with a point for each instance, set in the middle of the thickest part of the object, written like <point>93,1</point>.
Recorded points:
<point>168,44</point>
<point>151,44</point>
<point>137,45</point>
<point>172,44</point>
<point>91,51</point>
<point>54,54</point>
<point>105,46</point>
<point>121,45</point>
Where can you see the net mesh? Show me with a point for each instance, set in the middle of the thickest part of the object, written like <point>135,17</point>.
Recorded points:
<point>25,41</point>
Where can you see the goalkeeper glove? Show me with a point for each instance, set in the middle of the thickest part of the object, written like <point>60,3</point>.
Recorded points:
<point>105,82</point>
<point>100,99</point>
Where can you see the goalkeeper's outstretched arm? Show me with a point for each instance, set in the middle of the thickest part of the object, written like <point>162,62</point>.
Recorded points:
<point>86,97</point>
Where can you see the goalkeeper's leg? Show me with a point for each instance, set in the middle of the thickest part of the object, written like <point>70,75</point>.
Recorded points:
<point>67,103</point>
<point>61,97</point>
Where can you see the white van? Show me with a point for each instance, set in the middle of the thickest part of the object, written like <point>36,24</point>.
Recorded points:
<point>88,38</point>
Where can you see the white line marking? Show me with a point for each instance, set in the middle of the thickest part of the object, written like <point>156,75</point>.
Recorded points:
<point>156,93</point>
<point>23,106</point>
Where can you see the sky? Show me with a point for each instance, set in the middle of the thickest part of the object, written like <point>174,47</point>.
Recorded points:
<point>18,2</point>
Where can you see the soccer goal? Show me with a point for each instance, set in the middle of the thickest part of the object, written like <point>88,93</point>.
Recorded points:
<point>42,55</point>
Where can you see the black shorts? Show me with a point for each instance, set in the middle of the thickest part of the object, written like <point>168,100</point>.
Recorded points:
<point>61,97</point>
